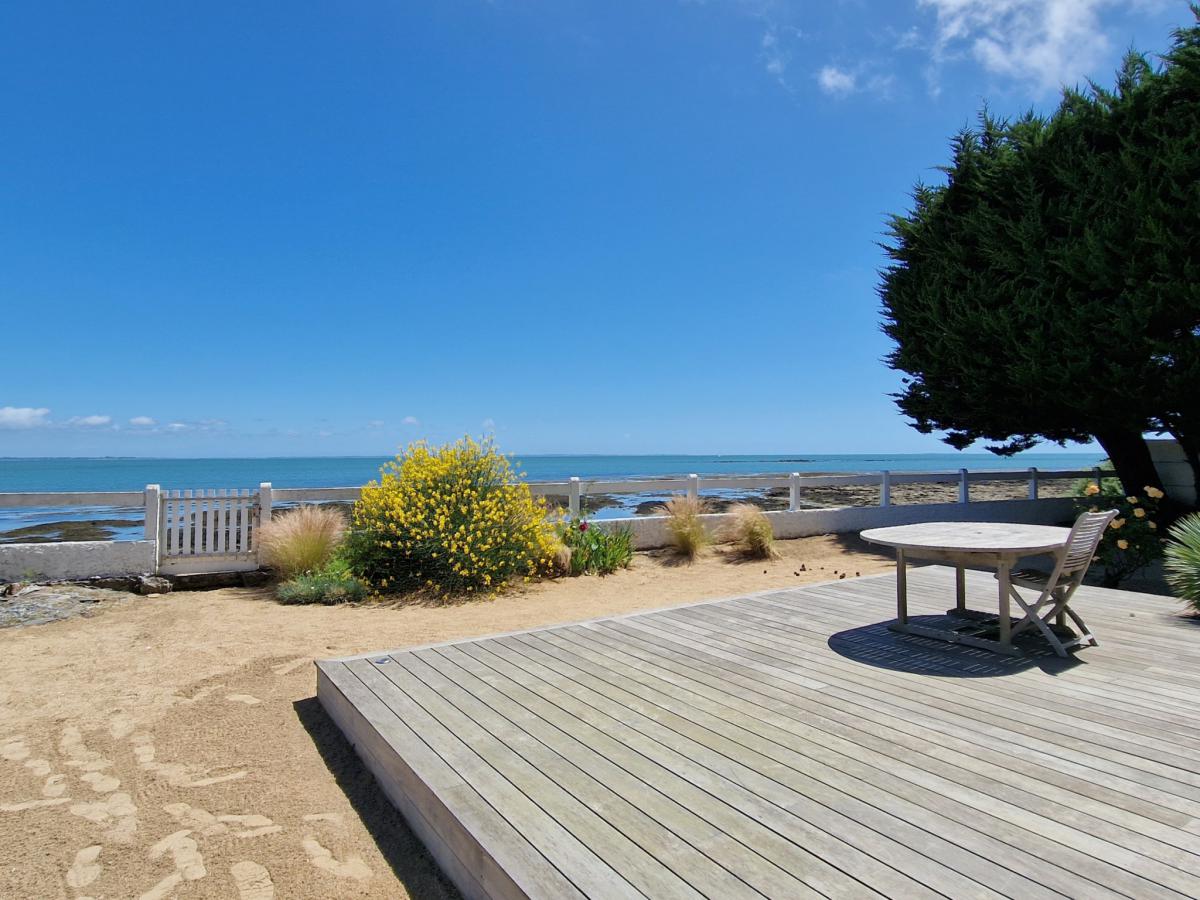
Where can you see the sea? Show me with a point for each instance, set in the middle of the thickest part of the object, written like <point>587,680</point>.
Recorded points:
<point>134,473</point>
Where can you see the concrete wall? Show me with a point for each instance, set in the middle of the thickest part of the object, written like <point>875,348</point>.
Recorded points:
<point>649,533</point>
<point>75,559</point>
<point>1174,470</point>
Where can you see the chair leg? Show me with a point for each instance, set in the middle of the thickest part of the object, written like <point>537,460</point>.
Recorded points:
<point>1084,632</point>
<point>1034,618</point>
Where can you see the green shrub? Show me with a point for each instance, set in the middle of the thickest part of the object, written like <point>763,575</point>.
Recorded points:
<point>330,585</point>
<point>750,531</point>
<point>1182,564</point>
<point>1110,485</point>
<point>301,540</point>
<point>451,519</point>
<point>684,525</point>
<point>595,550</point>
<point>1131,542</point>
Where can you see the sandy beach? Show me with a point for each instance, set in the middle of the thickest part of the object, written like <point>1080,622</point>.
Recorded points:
<point>172,745</point>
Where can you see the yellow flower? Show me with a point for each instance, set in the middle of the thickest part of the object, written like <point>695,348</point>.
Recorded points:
<point>1091,490</point>
<point>1123,544</point>
<point>1153,525</point>
<point>1132,500</point>
<point>1139,513</point>
<point>1116,523</point>
<point>1153,492</point>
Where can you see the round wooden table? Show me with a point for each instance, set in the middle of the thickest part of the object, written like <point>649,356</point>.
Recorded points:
<point>995,545</point>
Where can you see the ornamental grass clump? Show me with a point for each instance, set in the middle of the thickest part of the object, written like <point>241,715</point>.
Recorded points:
<point>1182,565</point>
<point>750,531</point>
<point>1132,541</point>
<point>301,540</point>
<point>453,520</point>
<point>684,525</point>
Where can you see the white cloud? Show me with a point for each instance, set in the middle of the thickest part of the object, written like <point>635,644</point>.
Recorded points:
<point>23,417</point>
<point>837,82</point>
<point>410,420</point>
<point>90,421</point>
<point>375,423</point>
<point>178,426</point>
<point>1045,43</point>
<point>142,421</point>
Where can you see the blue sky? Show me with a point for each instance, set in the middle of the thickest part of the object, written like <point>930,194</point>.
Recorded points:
<point>281,228</point>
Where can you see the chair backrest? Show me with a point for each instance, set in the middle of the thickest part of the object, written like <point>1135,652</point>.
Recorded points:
<point>1085,537</point>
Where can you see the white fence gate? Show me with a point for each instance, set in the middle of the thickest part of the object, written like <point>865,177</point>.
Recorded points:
<point>208,531</point>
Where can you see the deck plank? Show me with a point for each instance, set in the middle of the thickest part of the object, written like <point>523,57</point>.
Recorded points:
<point>785,744</point>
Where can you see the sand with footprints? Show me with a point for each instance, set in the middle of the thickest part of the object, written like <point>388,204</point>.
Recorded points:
<point>171,746</point>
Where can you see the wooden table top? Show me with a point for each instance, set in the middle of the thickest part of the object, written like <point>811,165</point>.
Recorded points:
<point>971,537</point>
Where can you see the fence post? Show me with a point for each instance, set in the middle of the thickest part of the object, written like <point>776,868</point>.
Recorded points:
<point>1033,483</point>
<point>964,490</point>
<point>573,497</point>
<point>264,504</point>
<point>693,488</point>
<point>885,488</point>
<point>1097,477</point>
<point>794,492</point>
<point>153,503</point>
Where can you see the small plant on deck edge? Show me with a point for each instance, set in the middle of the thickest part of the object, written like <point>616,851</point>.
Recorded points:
<point>1182,566</point>
<point>593,549</point>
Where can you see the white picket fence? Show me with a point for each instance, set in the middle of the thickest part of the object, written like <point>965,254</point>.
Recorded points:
<point>207,530</point>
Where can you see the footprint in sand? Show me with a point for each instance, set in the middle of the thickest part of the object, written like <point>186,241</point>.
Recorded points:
<point>253,881</point>
<point>335,818</point>
<point>78,755</point>
<point>116,813</point>
<point>85,869</point>
<point>101,783</point>
<point>32,804</point>
<point>207,824</point>
<point>288,667</point>
<point>189,864</point>
<point>14,749</point>
<point>177,774</point>
<point>353,866</point>
<point>243,698</point>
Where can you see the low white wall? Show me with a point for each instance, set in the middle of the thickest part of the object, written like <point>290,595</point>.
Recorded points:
<point>649,533</point>
<point>75,559</point>
<point>1174,470</point>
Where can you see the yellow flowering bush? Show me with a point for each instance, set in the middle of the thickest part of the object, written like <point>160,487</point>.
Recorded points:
<point>453,519</point>
<point>1131,541</point>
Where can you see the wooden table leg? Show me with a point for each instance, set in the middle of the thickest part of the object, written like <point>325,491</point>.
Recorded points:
<point>901,588</point>
<point>960,589</point>
<point>1002,571</point>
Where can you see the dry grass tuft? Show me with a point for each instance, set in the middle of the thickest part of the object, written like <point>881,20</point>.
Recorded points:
<point>750,531</point>
<point>688,535</point>
<point>302,539</point>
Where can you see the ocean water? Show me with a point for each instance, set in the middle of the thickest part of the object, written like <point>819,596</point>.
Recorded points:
<point>132,474</point>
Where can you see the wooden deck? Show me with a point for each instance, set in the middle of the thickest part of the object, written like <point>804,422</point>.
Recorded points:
<point>788,745</point>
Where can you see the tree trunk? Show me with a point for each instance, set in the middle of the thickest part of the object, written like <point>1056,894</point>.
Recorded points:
<point>1130,457</point>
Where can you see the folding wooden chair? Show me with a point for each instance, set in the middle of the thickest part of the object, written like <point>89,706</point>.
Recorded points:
<point>1057,586</point>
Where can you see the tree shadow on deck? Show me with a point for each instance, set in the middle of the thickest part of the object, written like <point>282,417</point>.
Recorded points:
<point>875,645</point>
<point>403,850</point>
